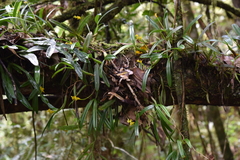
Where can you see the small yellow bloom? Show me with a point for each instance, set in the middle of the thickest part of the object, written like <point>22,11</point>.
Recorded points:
<point>75,98</point>
<point>41,89</point>
<point>138,52</point>
<point>50,111</point>
<point>130,121</point>
<point>77,17</point>
<point>144,47</point>
<point>139,60</point>
<point>68,42</point>
<point>138,37</point>
<point>156,15</point>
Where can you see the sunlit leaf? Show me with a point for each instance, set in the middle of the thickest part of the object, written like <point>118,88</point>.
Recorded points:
<point>51,48</point>
<point>36,48</point>
<point>32,58</point>
<point>145,77</point>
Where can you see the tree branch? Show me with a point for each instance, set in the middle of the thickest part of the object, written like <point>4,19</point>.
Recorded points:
<point>222,5</point>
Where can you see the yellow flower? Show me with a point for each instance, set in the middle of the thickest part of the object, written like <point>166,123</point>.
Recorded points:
<point>156,15</point>
<point>130,121</point>
<point>144,47</point>
<point>139,60</point>
<point>138,52</point>
<point>75,98</point>
<point>77,17</point>
<point>50,111</point>
<point>68,42</point>
<point>138,37</point>
<point>41,89</point>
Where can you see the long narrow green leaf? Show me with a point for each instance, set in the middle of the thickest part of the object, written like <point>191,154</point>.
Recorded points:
<point>164,110</point>
<point>105,79</point>
<point>165,19</point>
<point>77,69</point>
<point>83,23</point>
<point>45,100</point>
<point>210,47</point>
<point>110,10</point>
<point>37,74</point>
<point>111,121</point>
<point>162,116</point>
<point>180,148</point>
<point>122,48</point>
<point>35,104</point>
<point>95,114</point>
<point>51,118</point>
<point>188,39</point>
<point>236,29</point>
<point>7,85</point>
<point>107,104</point>
<point>145,77</point>
<point>136,128</point>
<point>84,114</point>
<point>187,141</point>
<point>96,77</point>
<point>189,26</point>
<point>16,9</point>
<point>204,31</point>
<point>169,72</point>
<point>86,151</point>
<point>173,156</point>
<point>87,42</point>
<point>132,34</point>
<point>23,100</point>
<point>170,34</point>
<point>68,128</point>
<point>63,26</point>
<point>145,109</point>
<point>152,22</point>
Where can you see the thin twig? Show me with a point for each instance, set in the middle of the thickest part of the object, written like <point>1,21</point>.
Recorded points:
<point>124,151</point>
<point>35,135</point>
<point>134,95</point>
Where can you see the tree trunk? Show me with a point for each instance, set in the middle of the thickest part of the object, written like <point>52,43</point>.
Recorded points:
<point>215,117</point>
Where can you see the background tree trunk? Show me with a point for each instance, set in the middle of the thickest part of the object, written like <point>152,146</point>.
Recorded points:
<point>215,117</point>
